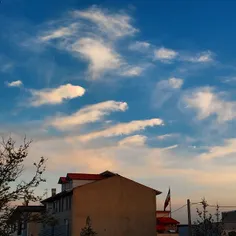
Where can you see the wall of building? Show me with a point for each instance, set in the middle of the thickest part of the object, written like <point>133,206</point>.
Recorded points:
<point>116,206</point>
<point>162,214</point>
<point>76,183</point>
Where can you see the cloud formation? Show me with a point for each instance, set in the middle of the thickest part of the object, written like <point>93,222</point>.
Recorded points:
<point>101,56</point>
<point>207,102</point>
<point>17,83</point>
<point>165,54</point>
<point>135,140</point>
<point>122,129</point>
<point>202,57</point>
<point>228,148</point>
<point>87,114</point>
<point>133,71</point>
<point>139,46</point>
<point>61,32</point>
<point>165,89</point>
<point>56,95</point>
<point>112,24</point>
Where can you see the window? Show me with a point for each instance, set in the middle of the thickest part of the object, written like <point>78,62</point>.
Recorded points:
<point>70,202</point>
<point>62,204</point>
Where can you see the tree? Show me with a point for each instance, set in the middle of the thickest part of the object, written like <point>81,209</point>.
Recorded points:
<point>12,188</point>
<point>207,224</point>
<point>88,230</point>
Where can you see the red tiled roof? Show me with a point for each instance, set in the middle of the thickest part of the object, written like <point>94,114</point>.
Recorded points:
<point>62,180</point>
<point>80,176</point>
<point>166,220</point>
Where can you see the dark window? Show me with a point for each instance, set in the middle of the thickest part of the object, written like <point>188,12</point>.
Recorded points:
<point>62,204</point>
<point>70,199</point>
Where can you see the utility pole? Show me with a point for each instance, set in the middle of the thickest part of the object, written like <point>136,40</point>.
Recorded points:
<point>189,219</point>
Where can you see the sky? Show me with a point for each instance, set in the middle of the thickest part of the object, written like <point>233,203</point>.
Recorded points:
<point>145,89</point>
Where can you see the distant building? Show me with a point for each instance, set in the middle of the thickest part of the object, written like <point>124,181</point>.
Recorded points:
<point>229,221</point>
<point>165,224</point>
<point>20,225</point>
<point>116,205</point>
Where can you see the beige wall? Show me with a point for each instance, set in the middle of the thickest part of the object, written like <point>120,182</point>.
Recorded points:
<point>116,206</point>
<point>162,214</point>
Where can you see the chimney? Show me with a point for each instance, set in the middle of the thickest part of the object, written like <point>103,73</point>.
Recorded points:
<point>54,191</point>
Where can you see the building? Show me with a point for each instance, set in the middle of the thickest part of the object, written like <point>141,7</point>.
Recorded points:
<point>19,220</point>
<point>116,205</point>
<point>165,224</point>
<point>229,221</point>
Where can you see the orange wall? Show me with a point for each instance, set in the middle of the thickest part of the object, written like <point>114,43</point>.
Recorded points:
<point>116,206</point>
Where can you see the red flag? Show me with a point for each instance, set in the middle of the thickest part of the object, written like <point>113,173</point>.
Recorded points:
<point>167,201</point>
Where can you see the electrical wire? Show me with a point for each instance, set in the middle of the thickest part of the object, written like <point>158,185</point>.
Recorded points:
<point>167,214</point>
<point>179,208</point>
<point>200,203</point>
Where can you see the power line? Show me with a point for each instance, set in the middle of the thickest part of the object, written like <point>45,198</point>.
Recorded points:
<point>179,208</point>
<point>173,211</point>
<point>200,203</point>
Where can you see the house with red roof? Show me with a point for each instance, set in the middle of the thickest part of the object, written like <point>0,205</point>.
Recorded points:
<point>115,204</point>
<point>165,224</point>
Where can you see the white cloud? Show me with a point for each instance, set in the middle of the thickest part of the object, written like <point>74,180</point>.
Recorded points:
<point>165,89</point>
<point>16,83</point>
<point>222,151</point>
<point>139,46</point>
<point>207,103</point>
<point>122,129</point>
<point>59,33</point>
<point>165,54</point>
<point>56,95</point>
<point>101,56</point>
<point>133,71</point>
<point>175,83</point>
<point>170,84</point>
<point>165,136</point>
<point>135,140</point>
<point>202,57</point>
<point>170,147</point>
<point>113,24</point>
<point>88,114</point>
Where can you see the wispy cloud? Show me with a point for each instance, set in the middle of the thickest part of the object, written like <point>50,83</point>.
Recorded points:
<point>91,35</point>
<point>135,140</point>
<point>169,55</point>
<point>122,129</point>
<point>170,147</point>
<point>101,56</point>
<point>165,89</point>
<point>88,114</point>
<point>59,33</point>
<point>207,102</point>
<point>139,46</point>
<point>133,71</point>
<point>228,148</point>
<point>112,24</point>
<point>175,83</point>
<point>202,57</point>
<point>56,95</point>
<point>17,83</point>
<point>165,54</point>
<point>166,136</point>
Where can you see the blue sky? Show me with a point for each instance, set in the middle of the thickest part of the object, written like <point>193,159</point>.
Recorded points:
<point>142,88</point>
